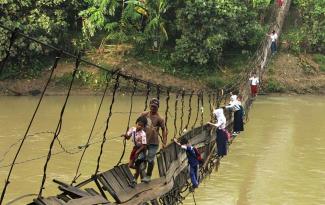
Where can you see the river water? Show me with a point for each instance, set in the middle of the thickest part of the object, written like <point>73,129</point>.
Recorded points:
<point>279,159</point>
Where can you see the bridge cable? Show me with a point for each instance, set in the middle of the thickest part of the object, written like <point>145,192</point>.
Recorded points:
<point>61,152</point>
<point>182,112</point>
<point>167,107</point>
<point>15,143</point>
<point>158,91</point>
<point>189,111</point>
<point>210,106</point>
<point>197,110</point>
<point>147,96</point>
<point>175,114</point>
<point>129,119</point>
<point>116,86</point>
<point>27,130</point>
<point>59,125</point>
<point>93,126</point>
<point>202,108</point>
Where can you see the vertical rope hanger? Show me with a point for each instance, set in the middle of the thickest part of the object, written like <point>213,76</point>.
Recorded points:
<point>167,106</point>
<point>59,126</point>
<point>147,96</point>
<point>92,128</point>
<point>116,86</point>
<point>29,126</point>
<point>220,97</point>
<point>129,119</point>
<point>11,42</point>
<point>175,114</point>
<point>182,112</point>
<point>158,91</point>
<point>210,105</point>
<point>189,110</point>
<point>197,109</point>
<point>202,107</point>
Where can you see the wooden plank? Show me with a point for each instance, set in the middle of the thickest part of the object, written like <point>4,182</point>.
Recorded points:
<point>127,172</point>
<point>73,191</point>
<point>161,165</point>
<point>91,191</point>
<point>121,179</point>
<point>110,179</point>
<point>107,186</point>
<point>158,187</point>
<point>48,201</point>
<point>89,200</point>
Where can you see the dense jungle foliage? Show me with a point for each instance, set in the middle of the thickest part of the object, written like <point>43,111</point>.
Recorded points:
<point>184,35</point>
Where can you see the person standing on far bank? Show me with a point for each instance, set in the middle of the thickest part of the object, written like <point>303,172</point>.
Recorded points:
<point>155,121</point>
<point>274,37</point>
<point>254,85</point>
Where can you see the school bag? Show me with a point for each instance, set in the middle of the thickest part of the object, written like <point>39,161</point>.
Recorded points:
<point>198,156</point>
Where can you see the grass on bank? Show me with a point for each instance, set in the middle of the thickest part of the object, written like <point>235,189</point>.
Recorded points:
<point>320,59</point>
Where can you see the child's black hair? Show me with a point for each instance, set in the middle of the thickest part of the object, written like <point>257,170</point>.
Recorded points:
<point>184,141</point>
<point>143,120</point>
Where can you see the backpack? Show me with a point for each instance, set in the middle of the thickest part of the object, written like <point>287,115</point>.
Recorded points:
<point>198,155</point>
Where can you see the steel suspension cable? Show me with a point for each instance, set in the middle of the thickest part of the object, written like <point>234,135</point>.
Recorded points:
<point>182,112</point>
<point>197,110</point>
<point>15,143</point>
<point>59,126</point>
<point>28,128</point>
<point>116,86</point>
<point>175,114</point>
<point>202,107</point>
<point>129,119</point>
<point>167,107</point>
<point>147,97</point>
<point>189,110</point>
<point>158,91</point>
<point>210,106</point>
<point>92,128</point>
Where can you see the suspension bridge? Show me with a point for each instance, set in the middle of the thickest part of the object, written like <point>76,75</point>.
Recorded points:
<point>114,186</point>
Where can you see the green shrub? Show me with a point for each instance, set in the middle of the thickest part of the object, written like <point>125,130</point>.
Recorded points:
<point>320,59</point>
<point>214,82</point>
<point>274,86</point>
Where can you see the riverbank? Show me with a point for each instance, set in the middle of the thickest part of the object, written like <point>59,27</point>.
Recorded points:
<point>286,73</point>
<point>294,74</point>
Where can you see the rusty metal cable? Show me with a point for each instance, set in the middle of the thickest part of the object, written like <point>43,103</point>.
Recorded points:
<point>92,128</point>
<point>189,110</point>
<point>28,128</point>
<point>59,126</point>
<point>129,119</point>
<point>182,113</point>
<point>116,86</point>
<point>147,97</point>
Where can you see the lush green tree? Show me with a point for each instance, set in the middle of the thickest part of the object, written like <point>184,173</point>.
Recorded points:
<point>47,21</point>
<point>208,26</point>
<point>312,13</point>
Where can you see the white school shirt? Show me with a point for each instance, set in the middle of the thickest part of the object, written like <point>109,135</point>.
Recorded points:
<point>221,119</point>
<point>254,80</point>
<point>274,37</point>
<point>138,137</point>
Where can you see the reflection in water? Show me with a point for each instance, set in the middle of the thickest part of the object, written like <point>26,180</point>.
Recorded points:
<point>279,159</point>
